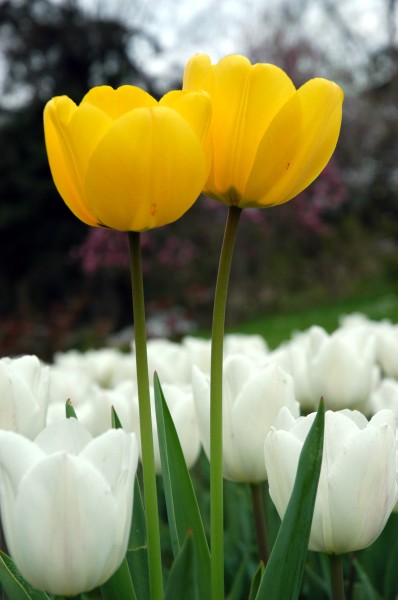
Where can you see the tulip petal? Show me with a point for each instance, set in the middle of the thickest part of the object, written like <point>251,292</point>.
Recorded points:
<point>65,522</point>
<point>201,392</point>
<point>254,412</point>
<point>198,74</point>
<point>194,107</point>
<point>282,451</point>
<point>115,455</point>
<point>20,410</point>
<point>17,456</point>
<point>358,518</point>
<point>297,145</point>
<point>68,435</point>
<point>116,103</point>
<point>151,164</point>
<point>71,134</point>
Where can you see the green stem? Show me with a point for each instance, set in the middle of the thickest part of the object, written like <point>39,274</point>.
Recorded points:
<point>259,521</point>
<point>147,451</point>
<point>216,460</point>
<point>336,576</point>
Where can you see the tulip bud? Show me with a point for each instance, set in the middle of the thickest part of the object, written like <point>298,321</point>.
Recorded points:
<point>343,370</point>
<point>181,406</point>
<point>24,392</point>
<point>357,488</point>
<point>66,504</point>
<point>252,398</point>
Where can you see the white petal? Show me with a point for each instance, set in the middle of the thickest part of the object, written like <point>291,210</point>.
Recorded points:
<point>66,519</point>
<point>68,435</point>
<point>115,455</point>
<point>17,456</point>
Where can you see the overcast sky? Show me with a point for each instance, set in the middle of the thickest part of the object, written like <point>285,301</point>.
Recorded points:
<point>343,29</point>
<point>219,27</point>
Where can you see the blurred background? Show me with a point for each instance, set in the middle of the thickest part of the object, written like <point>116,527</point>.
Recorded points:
<point>65,285</point>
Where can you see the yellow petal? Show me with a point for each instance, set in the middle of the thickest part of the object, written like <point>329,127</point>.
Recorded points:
<point>71,134</point>
<point>297,145</point>
<point>195,108</point>
<point>198,74</point>
<point>63,167</point>
<point>146,171</point>
<point>245,99</point>
<point>116,103</point>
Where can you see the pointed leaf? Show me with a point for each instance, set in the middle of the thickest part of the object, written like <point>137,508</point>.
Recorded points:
<point>284,572</point>
<point>14,584</point>
<point>182,582</point>
<point>69,410</point>
<point>137,553</point>
<point>116,424</point>
<point>182,506</point>
<point>391,575</point>
<point>256,581</point>
<point>368,591</point>
<point>236,591</point>
<point>120,585</point>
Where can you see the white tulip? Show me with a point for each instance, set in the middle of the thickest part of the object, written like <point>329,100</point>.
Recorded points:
<point>253,346</point>
<point>385,396</point>
<point>343,371</point>
<point>170,361</point>
<point>66,504</point>
<point>358,482</point>
<point>387,349</point>
<point>106,366</point>
<point>24,393</point>
<point>199,352</point>
<point>252,398</point>
<point>179,399</point>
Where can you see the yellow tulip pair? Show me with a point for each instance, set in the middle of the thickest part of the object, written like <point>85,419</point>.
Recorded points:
<point>240,133</point>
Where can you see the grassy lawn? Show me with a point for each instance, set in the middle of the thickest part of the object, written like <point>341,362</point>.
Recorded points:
<point>277,327</point>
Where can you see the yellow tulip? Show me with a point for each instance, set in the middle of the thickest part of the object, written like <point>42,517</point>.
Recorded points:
<point>125,161</point>
<point>268,141</point>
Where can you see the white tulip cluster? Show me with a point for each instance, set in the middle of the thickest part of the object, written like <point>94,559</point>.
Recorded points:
<point>66,472</point>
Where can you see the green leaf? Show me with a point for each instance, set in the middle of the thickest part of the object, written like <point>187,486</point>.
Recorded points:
<point>120,585</point>
<point>368,591</point>
<point>116,424</point>
<point>391,574</point>
<point>137,554</point>
<point>182,581</point>
<point>14,584</point>
<point>256,581</point>
<point>69,410</point>
<point>182,506</point>
<point>284,572</point>
<point>238,584</point>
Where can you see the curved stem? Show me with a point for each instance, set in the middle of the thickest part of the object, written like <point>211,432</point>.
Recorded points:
<point>147,451</point>
<point>337,577</point>
<point>259,521</point>
<point>216,460</point>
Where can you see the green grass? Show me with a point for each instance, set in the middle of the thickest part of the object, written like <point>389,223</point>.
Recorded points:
<point>278,327</point>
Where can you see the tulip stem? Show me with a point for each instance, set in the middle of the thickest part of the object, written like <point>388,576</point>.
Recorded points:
<point>259,520</point>
<point>337,576</point>
<point>216,446</point>
<point>147,450</point>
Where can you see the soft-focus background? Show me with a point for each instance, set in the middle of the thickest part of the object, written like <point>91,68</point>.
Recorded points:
<point>331,250</point>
